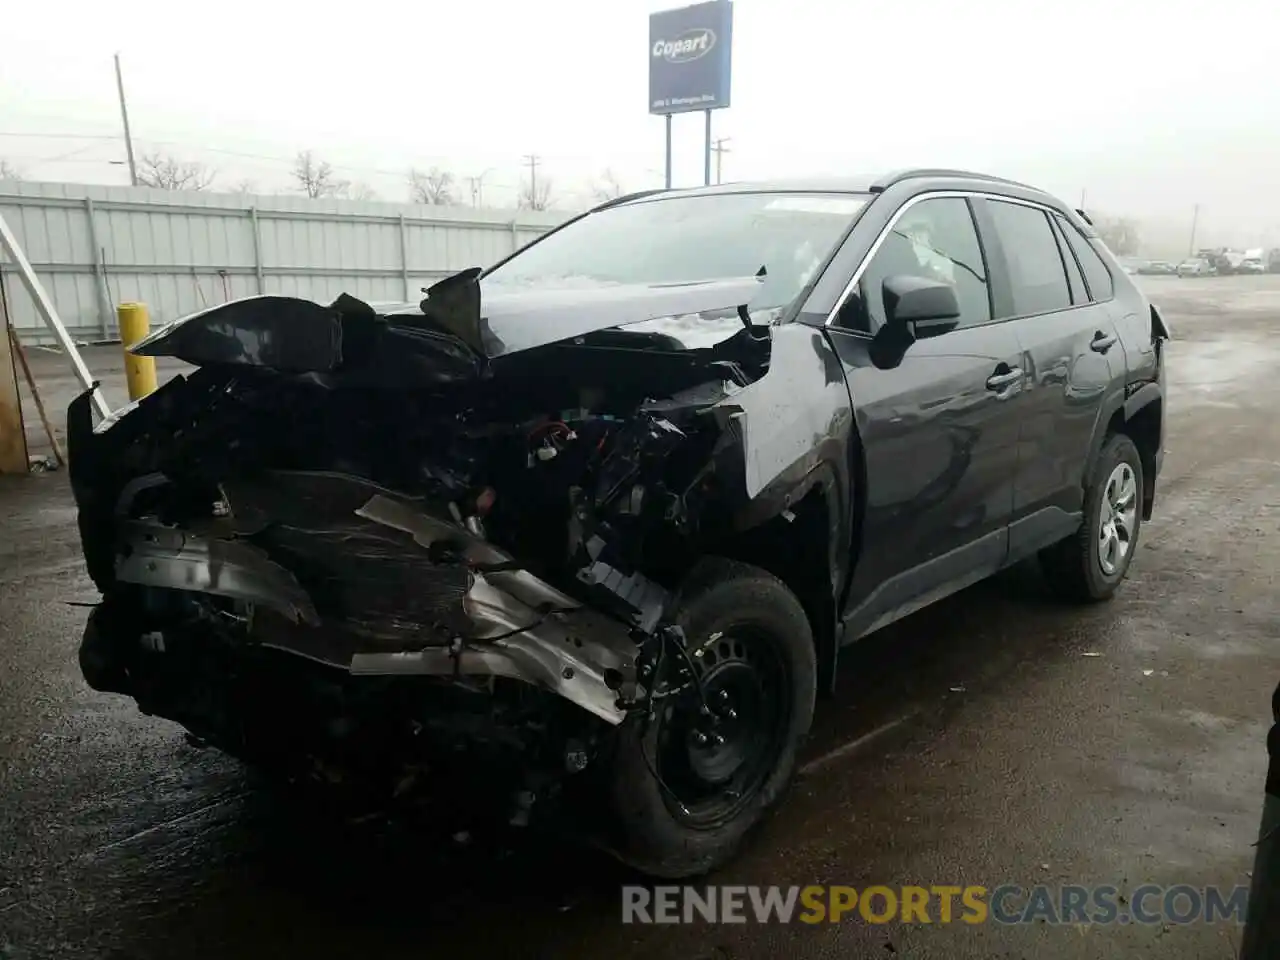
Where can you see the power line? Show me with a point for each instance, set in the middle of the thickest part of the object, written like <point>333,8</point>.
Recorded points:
<point>28,158</point>
<point>192,146</point>
<point>64,157</point>
<point>478,183</point>
<point>60,136</point>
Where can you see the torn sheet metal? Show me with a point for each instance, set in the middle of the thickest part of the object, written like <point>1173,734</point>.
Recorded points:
<point>160,556</point>
<point>339,342</point>
<point>522,644</point>
<point>450,336</point>
<point>428,531</point>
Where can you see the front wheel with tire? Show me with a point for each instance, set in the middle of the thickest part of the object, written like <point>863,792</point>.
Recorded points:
<point>1090,564</point>
<point>689,781</point>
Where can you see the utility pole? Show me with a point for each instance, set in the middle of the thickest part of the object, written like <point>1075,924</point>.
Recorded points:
<point>720,150</point>
<point>477,187</point>
<point>1195,218</point>
<point>124,115</point>
<point>706,156</point>
<point>531,161</point>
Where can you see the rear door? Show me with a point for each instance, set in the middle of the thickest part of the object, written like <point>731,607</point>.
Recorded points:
<point>939,424</point>
<point>1072,358</point>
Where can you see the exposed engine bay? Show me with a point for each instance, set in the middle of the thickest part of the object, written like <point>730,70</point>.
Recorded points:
<point>320,510</point>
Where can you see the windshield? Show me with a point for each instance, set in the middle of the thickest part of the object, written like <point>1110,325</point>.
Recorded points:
<point>690,238</point>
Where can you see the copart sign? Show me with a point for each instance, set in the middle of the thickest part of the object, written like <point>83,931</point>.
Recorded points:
<point>689,58</point>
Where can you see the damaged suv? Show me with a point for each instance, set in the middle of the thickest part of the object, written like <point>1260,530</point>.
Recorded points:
<point>600,517</point>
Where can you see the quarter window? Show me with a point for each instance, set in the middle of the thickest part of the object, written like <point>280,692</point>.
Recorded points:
<point>1036,272</point>
<point>1101,286</point>
<point>934,239</point>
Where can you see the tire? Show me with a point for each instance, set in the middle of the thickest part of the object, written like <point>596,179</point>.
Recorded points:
<point>1077,568</point>
<point>743,627</point>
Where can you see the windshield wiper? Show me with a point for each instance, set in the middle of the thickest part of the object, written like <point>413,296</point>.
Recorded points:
<point>963,266</point>
<point>745,316</point>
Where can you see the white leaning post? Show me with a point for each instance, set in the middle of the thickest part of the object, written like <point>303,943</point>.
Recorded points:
<point>34,287</point>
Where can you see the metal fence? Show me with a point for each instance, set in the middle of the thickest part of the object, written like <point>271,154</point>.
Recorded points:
<point>94,247</point>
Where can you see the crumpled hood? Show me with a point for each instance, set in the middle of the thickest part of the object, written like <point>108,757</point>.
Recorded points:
<point>453,335</point>
<point>534,318</point>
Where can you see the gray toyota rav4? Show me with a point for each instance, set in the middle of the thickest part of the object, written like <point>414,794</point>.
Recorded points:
<point>598,520</point>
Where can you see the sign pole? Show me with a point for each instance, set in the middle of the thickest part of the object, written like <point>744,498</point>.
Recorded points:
<point>689,62</point>
<point>706,156</point>
<point>668,151</point>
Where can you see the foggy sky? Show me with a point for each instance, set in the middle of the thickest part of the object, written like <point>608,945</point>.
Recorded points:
<point>1147,107</point>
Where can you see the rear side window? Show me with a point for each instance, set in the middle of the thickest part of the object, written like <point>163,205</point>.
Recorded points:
<point>1036,272</point>
<point>1101,286</point>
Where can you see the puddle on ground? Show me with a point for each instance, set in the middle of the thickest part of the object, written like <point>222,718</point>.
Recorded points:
<point>1225,364</point>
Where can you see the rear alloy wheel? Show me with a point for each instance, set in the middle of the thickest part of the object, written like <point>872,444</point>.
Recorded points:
<point>689,783</point>
<point>1117,519</point>
<point>1090,564</point>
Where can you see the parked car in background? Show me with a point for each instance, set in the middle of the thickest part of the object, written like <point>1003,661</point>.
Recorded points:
<point>1252,265</point>
<point>1159,268</point>
<point>1273,260</point>
<point>607,511</point>
<point>1218,259</point>
<point>1196,267</point>
<point>1131,265</point>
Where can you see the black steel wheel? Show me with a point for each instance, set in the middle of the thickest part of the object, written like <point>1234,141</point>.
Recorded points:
<point>718,739</point>
<point>688,784</point>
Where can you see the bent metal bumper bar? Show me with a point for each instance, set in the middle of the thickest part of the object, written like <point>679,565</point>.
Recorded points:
<point>522,645</point>
<point>512,638</point>
<point>163,556</point>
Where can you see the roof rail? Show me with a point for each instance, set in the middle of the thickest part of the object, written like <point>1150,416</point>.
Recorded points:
<point>898,176</point>
<point>614,201</point>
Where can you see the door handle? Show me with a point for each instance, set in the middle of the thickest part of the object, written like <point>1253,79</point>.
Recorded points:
<point>998,381</point>
<point>1102,342</point>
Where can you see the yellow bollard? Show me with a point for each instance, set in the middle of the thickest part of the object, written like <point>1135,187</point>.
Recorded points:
<point>139,372</point>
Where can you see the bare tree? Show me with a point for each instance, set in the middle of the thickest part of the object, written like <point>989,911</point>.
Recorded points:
<point>607,187</point>
<point>1119,234</point>
<point>245,186</point>
<point>434,187</point>
<point>8,171</point>
<point>165,172</point>
<point>316,177</point>
<point>361,191</point>
<point>536,196</point>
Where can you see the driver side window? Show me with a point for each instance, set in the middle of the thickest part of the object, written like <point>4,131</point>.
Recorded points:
<point>935,239</point>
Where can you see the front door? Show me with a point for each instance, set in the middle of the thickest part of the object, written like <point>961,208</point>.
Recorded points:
<point>939,427</point>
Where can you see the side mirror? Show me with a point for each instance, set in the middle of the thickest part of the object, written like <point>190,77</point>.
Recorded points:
<point>919,307</point>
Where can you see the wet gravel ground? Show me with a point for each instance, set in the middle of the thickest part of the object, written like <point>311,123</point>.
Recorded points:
<point>995,738</point>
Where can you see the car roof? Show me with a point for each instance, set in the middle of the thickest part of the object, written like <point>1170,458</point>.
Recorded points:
<point>876,183</point>
<point>788,185</point>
